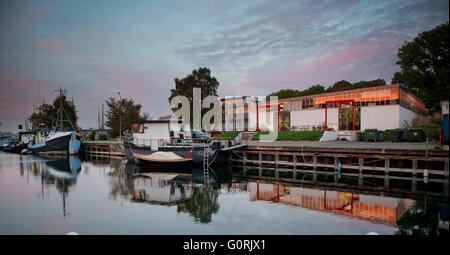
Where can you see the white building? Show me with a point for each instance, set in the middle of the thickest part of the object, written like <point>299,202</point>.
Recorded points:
<point>382,107</point>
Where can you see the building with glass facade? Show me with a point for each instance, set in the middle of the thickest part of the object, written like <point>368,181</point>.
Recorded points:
<point>382,107</point>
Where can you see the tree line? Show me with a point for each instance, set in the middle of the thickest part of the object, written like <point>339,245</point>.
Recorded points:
<point>319,89</point>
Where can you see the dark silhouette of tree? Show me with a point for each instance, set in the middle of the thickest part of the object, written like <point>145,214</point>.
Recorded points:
<point>48,114</point>
<point>368,84</point>
<point>340,86</point>
<point>424,64</point>
<point>122,112</point>
<point>200,78</point>
<point>202,204</point>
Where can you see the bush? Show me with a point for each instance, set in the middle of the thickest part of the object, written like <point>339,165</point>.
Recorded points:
<point>226,135</point>
<point>92,136</point>
<point>432,132</point>
<point>314,135</point>
<point>102,137</point>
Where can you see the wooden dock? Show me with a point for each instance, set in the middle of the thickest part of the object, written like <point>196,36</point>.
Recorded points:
<point>386,165</point>
<point>113,149</point>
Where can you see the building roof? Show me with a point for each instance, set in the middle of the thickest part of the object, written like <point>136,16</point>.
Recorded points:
<point>342,92</point>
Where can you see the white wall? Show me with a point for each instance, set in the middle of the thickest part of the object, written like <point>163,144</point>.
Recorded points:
<point>314,117</point>
<point>152,131</point>
<point>381,117</point>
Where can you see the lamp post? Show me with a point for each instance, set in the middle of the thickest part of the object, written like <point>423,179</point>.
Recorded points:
<point>120,116</point>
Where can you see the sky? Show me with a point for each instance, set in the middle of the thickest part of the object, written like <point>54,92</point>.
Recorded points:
<point>94,49</point>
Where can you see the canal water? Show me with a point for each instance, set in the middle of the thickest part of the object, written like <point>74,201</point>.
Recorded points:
<point>44,195</point>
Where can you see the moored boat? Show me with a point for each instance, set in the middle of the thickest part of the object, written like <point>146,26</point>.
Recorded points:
<point>162,159</point>
<point>154,135</point>
<point>57,143</point>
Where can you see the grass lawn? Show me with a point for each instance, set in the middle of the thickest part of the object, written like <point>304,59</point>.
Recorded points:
<point>313,135</point>
<point>226,135</point>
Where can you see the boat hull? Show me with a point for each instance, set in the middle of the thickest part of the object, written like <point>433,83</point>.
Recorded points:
<point>15,149</point>
<point>65,145</point>
<point>163,164</point>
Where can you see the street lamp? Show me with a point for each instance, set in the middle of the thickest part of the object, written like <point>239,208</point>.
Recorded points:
<point>120,116</point>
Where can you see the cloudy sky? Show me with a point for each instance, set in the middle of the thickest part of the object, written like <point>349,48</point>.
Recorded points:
<point>95,48</point>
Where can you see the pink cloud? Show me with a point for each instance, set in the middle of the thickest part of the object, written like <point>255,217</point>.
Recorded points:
<point>53,46</point>
<point>331,66</point>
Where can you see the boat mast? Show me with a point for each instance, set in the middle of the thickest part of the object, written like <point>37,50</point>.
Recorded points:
<point>60,108</point>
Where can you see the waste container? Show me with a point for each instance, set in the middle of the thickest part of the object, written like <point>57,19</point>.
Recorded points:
<point>397,136</point>
<point>416,135</point>
<point>359,136</point>
<point>387,136</point>
<point>371,135</point>
<point>380,136</point>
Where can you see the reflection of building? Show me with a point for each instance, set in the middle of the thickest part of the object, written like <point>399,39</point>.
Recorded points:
<point>373,208</point>
<point>160,188</point>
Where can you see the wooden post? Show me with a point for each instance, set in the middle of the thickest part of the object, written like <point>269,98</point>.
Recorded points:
<point>260,164</point>
<point>277,157</point>
<point>446,176</point>
<point>336,161</point>
<point>244,159</point>
<point>386,173</point>
<point>414,175</point>
<point>294,161</point>
<point>361,166</point>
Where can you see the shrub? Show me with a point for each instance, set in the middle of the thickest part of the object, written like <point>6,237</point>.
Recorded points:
<point>102,137</point>
<point>314,135</point>
<point>226,135</point>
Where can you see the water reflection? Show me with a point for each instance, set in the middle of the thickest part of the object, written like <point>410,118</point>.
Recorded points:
<point>60,172</point>
<point>202,204</point>
<point>386,210</point>
<point>104,183</point>
<point>184,188</point>
<point>425,217</point>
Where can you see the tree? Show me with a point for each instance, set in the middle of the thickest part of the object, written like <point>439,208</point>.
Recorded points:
<point>49,114</point>
<point>285,93</point>
<point>313,90</point>
<point>122,113</point>
<point>424,66</point>
<point>340,86</point>
<point>290,93</point>
<point>368,84</point>
<point>200,78</point>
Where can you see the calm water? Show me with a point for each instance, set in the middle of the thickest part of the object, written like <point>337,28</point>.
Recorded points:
<point>58,195</point>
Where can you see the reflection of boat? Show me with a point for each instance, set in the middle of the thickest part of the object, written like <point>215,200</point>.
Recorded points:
<point>162,158</point>
<point>61,168</point>
<point>161,187</point>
